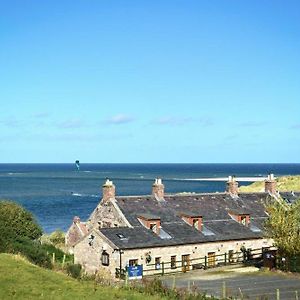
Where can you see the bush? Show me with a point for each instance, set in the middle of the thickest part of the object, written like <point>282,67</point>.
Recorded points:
<point>59,254</point>
<point>32,250</point>
<point>74,270</point>
<point>15,221</point>
<point>19,234</point>
<point>57,237</point>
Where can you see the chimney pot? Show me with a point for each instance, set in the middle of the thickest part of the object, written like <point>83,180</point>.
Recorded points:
<point>270,184</point>
<point>158,189</point>
<point>232,186</point>
<point>76,219</point>
<point>108,190</point>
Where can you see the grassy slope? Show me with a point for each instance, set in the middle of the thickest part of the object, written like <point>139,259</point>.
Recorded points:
<point>285,183</point>
<point>21,280</point>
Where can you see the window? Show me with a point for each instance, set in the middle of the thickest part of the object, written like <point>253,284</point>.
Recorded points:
<point>157,263</point>
<point>105,258</point>
<point>91,240</point>
<point>173,262</point>
<point>244,220</point>
<point>133,262</point>
<point>153,227</point>
<point>196,223</point>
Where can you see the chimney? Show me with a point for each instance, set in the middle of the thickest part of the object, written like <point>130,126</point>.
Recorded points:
<point>232,186</point>
<point>158,189</point>
<point>108,190</point>
<point>76,219</point>
<point>270,184</point>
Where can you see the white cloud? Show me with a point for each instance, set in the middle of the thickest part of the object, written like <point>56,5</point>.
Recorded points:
<point>120,119</point>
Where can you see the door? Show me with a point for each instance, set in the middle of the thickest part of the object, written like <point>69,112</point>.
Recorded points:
<point>211,259</point>
<point>185,259</point>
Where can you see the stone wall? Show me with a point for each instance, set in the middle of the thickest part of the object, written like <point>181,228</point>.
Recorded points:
<point>107,214</point>
<point>195,251</point>
<point>89,251</point>
<point>90,255</point>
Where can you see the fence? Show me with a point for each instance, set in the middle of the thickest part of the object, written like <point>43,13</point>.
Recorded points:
<point>61,259</point>
<point>210,261</point>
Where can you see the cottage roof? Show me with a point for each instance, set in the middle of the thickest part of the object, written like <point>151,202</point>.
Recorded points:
<point>217,222</point>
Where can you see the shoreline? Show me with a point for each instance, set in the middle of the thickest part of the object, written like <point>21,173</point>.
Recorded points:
<point>241,179</point>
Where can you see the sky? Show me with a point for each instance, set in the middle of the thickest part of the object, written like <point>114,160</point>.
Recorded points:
<point>150,81</point>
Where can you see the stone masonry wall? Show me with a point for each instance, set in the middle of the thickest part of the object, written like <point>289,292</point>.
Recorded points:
<point>106,215</point>
<point>90,255</point>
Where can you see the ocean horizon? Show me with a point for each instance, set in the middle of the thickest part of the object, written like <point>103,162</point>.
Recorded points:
<point>55,193</point>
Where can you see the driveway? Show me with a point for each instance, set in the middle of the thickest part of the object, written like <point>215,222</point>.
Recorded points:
<point>241,282</point>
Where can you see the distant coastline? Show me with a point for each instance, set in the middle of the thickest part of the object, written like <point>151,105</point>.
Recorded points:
<point>240,179</point>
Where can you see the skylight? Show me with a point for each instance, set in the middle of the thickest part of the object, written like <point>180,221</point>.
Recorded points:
<point>254,228</point>
<point>121,236</point>
<point>164,235</point>
<point>206,231</point>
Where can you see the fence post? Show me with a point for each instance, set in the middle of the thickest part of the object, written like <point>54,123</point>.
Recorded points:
<point>174,282</point>
<point>162,268</point>
<point>296,295</point>
<point>242,295</point>
<point>53,257</point>
<point>205,262</point>
<point>64,259</point>
<point>277,294</point>
<point>189,287</point>
<point>225,258</point>
<point>126,279</point>
<point>224,290</point>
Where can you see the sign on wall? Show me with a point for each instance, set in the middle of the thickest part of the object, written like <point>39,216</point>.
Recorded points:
<point>135,272</point>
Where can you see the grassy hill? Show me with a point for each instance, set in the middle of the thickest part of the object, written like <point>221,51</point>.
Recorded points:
<point>284,184</point>
<point>22,280</point>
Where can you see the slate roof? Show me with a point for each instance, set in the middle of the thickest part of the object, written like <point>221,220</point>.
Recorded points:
<point>214,208</point>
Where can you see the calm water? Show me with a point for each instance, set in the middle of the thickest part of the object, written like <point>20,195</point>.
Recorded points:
<point>54,193</point>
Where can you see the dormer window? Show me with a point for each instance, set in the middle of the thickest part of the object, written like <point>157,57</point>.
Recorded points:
<point>240,216</point>
<point>151,222</point>
<point>193,220</point>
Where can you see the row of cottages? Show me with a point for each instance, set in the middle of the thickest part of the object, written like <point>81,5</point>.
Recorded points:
<point>175,229</point>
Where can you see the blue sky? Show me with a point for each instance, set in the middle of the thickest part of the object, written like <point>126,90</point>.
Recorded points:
<point>150,81</point>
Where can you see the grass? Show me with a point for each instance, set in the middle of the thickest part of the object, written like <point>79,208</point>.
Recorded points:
<point>284,184</point>
<point>21,280</point>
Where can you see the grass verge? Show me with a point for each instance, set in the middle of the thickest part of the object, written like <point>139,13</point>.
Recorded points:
<point>21,280</point>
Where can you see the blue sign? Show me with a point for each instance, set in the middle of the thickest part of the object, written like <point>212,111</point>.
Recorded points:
<point>135,272</point>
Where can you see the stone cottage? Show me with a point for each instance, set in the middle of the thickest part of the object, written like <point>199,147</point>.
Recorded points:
<point>172,231</point>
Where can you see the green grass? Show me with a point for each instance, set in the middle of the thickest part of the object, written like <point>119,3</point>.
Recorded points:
<point>284,184</point>
<point>22,280</point>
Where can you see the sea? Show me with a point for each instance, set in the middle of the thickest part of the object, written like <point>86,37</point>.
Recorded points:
<point>55,193</point>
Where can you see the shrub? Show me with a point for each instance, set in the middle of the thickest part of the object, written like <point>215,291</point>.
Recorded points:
<point>74,270</point>
<point>32,250</point>
<point>57,237</point>
<point>15,221</point>
<point>59,254</point>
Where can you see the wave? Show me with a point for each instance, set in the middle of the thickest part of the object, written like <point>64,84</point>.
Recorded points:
<point>85,195</point>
